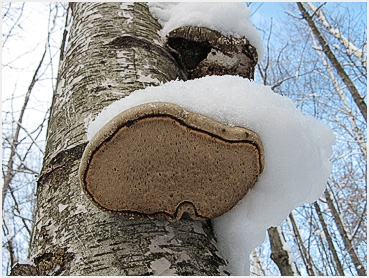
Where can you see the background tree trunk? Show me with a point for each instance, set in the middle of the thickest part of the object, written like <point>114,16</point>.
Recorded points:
<point>345,237</point>
<point>113,49</point>
<point>280,255</point>
<point>328,237</point>
<point>359,100</point>
<point>301,246</point>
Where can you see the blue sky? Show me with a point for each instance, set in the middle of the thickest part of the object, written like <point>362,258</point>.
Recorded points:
<point>268,9</point>
<point>262,12</point>
<point>276,9</point>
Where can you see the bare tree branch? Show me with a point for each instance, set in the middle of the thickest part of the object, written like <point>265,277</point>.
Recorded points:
<point>9,172</point>
<point>350,249</point>
<point>337,261</point>
<point>336,33</point>
<point>15,23</point>
<point>342,73</point>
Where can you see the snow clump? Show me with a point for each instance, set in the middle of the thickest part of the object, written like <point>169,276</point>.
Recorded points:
<point>228,18</point>
<point>297,150</point>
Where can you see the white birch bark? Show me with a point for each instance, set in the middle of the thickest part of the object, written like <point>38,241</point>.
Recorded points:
<point>113,49</point>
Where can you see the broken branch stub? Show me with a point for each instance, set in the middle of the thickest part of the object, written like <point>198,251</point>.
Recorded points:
<point>202,51</point>
<point>159,161</point>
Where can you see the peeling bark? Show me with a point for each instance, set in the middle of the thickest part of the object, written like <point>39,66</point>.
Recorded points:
<point>113,49</point>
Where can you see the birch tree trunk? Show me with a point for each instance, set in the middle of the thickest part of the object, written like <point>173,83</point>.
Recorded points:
<point>113,49</point>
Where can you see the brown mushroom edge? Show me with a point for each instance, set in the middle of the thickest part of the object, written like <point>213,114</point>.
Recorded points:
<point>158,161</point>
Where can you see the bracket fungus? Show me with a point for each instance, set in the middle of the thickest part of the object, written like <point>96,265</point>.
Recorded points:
<point>202,51</point>
<point>159,161</point>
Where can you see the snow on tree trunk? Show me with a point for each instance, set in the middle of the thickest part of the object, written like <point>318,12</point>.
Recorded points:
<point>113,49</point>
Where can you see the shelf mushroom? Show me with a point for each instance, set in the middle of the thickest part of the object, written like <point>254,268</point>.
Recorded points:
<point>158,160</point>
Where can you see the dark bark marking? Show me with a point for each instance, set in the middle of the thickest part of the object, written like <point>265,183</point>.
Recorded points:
<point>24,270</point>
<point>55,263</point>
<point>61,161</point>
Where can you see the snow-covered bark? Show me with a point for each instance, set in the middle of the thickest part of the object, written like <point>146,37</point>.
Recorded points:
<point>113,49</point>
<point>281,253</point>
